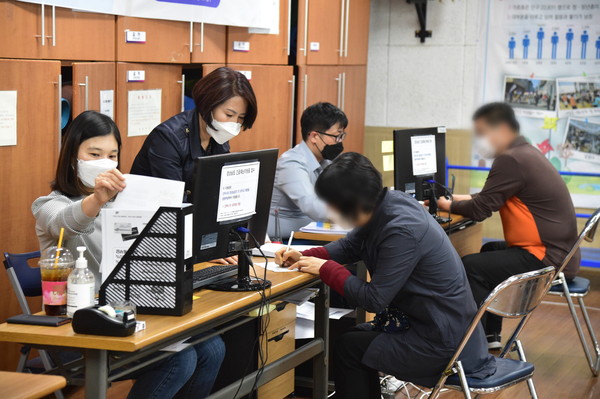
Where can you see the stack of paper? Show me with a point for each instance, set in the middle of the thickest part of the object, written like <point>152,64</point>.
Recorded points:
<point>324,228</point>
<point>124,218</point>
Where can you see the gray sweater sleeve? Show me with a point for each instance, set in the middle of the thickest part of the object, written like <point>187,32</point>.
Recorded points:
<point>55,211</point>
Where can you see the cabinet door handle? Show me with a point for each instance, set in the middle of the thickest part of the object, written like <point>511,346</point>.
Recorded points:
<point>305,91</point>
<point>342,20</point>
<point>201,44</point>
<point>292,111</point>
<point>278,337</point>
<point>304,50</point>
<point>86,93</point>
<point>289,27</point>
<point>59,111</point>
<point>43,24</point>
<point>343,95</point>
<point>346,28</point>
<point>339,90</point>
<point>191,44</point>
<point>53,26</point>
<point>182,82</point>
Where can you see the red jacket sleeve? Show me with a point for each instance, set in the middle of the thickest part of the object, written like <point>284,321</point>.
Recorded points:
<point>332,273</point>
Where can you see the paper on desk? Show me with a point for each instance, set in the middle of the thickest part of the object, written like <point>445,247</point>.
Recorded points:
<point>270,248</point>
<point>272,267</point>
<point>148,193</point>
<point>326,228</point>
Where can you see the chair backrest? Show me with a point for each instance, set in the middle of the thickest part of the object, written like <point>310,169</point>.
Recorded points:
<point>588,232</point>
<point>515,297</point>
<point>29,278</point>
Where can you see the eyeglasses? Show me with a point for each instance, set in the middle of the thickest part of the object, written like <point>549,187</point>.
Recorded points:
<point>338,137</point>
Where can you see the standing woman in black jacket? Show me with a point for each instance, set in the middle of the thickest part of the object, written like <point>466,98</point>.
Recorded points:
<point>225,105</point>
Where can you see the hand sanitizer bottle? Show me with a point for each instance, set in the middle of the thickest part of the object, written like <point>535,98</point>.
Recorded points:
<point>80,286</point>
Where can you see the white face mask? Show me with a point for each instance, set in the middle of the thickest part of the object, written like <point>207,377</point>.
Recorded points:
<point>223,131</point>
<point>87,171</point>
<point>484,147</point>
<point>338,219</point>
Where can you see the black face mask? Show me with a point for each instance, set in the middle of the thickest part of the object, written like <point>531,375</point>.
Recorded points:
<point>331,151</point>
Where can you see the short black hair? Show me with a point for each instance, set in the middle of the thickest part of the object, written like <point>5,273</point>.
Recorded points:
<point>87,125</point>
<point>219,86</point>
<point>320,117</point>
<point>496,114</point>
<point>351,184</point>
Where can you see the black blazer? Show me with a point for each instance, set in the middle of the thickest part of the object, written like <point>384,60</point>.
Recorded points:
<point>171,148</point>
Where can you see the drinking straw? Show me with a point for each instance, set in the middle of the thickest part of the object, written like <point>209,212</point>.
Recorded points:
<point>60,240</point>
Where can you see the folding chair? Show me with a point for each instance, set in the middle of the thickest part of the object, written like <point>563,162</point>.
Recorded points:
<point>514,298</point>
<point>578,288</point>
<point>26,281</point>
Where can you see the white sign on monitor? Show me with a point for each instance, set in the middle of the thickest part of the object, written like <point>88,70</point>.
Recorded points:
<point>424,159</point>
<point>237,194</point>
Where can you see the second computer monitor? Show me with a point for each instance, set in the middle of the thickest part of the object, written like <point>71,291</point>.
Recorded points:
<point>231,191</point>
<point>419,156</point>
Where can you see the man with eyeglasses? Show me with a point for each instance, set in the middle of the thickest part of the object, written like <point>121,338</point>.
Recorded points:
<point>294,203</point>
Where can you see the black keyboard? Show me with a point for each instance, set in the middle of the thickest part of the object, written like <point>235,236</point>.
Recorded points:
<point>213,274</point>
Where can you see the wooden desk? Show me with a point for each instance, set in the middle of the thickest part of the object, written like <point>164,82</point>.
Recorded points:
<point>29,386</point>
<point>218,311</point>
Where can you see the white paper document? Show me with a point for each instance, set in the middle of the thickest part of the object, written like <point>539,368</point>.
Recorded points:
<point>273,267</point>
<point>238,190</point>
<point>305,319</point>
<point>120,228</point>
<point>270,248</point>
<point>149,193</point>
<point>8,117</point>
<point>143,111</point>
<point>424,160</point>
<point>107,103</point>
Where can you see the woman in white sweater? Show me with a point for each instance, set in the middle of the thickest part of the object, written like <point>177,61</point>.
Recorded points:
<point>87,177</point>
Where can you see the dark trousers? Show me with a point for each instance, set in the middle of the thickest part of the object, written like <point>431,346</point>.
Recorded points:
<point>495,263</point>
<point>352,378</point>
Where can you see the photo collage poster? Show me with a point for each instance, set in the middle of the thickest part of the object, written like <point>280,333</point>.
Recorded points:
<point>543,58</point>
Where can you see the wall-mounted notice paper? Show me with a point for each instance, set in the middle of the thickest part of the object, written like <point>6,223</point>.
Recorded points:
<point>237,194</point>
<point>388,163</point>
<point>143,111</point>
<point>423,155</point>
<point>8,118</point>
<point>107,103</point>
<point>387,146</point>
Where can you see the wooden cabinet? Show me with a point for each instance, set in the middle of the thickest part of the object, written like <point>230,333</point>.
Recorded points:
<point>343,86</point>
<point>153,40</point>
<point>26,168</point>
<point>246,47</point>
<point>333,32</point>
<point>274,90</point>
<point>48,32</point>
<point>89,79</point>
<point>157,76</point>
<point>210,43</point>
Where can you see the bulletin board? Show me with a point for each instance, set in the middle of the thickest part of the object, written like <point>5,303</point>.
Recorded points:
<point>543,57</point>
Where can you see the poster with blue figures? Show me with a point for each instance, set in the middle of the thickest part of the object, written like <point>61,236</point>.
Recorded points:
<point>543,58</point>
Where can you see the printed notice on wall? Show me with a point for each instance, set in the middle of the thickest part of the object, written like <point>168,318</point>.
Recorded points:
<point>237,194</point>
<point>143,112</point>
<point>423,155</point>
<point>8,118</point>
<point>107,103</point>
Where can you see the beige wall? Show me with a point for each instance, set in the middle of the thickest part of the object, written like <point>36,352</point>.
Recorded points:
<point>458,151</point>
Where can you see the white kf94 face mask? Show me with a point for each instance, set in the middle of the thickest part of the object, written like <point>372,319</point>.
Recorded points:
<point>223,131</point>
<point>485,148</point>
<point>87,171</point>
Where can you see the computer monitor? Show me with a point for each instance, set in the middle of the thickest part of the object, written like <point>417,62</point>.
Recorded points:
<point>419,161</point>
<point>231,195</point>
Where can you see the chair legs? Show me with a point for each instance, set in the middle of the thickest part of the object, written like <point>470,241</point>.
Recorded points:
<point>530,384</point>
<point>463,380</point>
<point>593,360</point>
<point>48,366</point>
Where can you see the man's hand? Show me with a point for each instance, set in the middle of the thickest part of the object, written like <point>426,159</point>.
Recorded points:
<point>285,258</point>
<point>309,264</point>
<point>444,204</point>
<point>226,261</point>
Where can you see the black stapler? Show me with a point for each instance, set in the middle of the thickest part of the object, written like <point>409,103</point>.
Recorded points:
<point>97,321</point>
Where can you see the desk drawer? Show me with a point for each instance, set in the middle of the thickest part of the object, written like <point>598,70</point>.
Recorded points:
<point>284,314</point>
<point>280,342</point>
